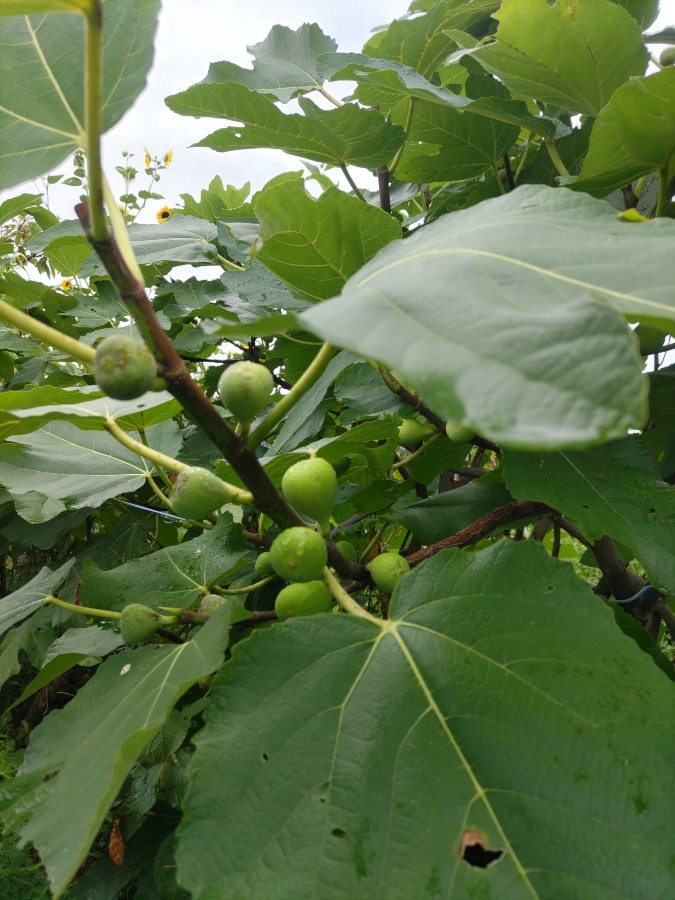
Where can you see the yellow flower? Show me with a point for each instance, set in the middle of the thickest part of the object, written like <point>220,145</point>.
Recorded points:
<point>168,158</point>
<point>148,159</point>
<point>66,284</point>
<point>164,214</point>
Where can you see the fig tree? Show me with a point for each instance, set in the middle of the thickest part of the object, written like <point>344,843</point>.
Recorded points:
<point>667,57</point>
<point>387,568</point>
<point>303,599</point>
<point>299,554</point>
<point>198,492</point>
<point>138,623</point>
<point>245,389</point>
<point>310,487</point>
<point>124,368</point>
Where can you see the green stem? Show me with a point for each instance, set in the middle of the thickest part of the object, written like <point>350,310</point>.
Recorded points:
<point>311,374</point>
<point>228,592</point>
<point>521,164</point>
<point>420,450</point>
<point>119,228</point>
<point>560,166</point>
<point>378,534</point>
<point>93,117</point>
<point>500,184</point>
<point>159,459</point>
<point>346,601</point>
<point>85,610</point>
<point>228,265</point>
<point>324,93</point>
<point>47,335</point>
<point>352,183</point>
<point>408,125</point>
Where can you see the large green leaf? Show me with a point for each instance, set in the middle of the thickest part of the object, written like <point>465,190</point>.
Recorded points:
<point>615,490</point>
<point>570,54</point>
<point>62,467</point>
<point>352,756</point>
<point>633,135</point>
<point>493,314</point>
<point>79,756</point>
<point>23,602</point>
<point>345,136</point>
<point>316,245</point>
<point>173,576</point>
<point>42,82</point>
<point>284,64</point>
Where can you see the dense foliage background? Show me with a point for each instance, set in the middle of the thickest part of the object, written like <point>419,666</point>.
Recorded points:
<point>479,349</point>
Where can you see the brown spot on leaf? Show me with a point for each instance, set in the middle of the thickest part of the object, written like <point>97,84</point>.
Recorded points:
<point>475,852</point>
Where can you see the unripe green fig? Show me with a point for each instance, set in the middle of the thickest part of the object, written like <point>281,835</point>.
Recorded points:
<point>347,550</point>
<point>411,430</point>
<point>197,493</point>
<point>387,568</point>
<point>124,368</point>
<point>138,623</point>
<point>458,434</point>
<point>210,603</point>
<point>310,487</point>
<point>245,389</point>
<point>667,57</point>
<point>303,599</point>
<point>263,565</point>
<point>299,554</point>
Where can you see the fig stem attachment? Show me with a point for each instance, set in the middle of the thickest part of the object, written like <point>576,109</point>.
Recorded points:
<point>281,409</point>
<point>85,610</point>
<point>159,459</point>
<point>420,450</point>
<point>346,601</point>
<point>230,592</point>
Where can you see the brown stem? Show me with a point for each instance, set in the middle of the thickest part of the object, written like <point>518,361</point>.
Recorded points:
<point>496,518</point>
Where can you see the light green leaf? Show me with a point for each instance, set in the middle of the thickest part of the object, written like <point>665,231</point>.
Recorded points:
<point>15,205</point>
<point>19,605</point>
<point>174,576</point>
<point>633,135</point>
<point>571,54</point>
<point>545,733</point>
<point>67,254</point>
<point>345,136</point>
<point>615,490</point>
<point>78,757</point>
<point>62,467</point>
<point>284,65</point>
<point>316,245</point>
<point>42,85</point>
<point>492,314</point>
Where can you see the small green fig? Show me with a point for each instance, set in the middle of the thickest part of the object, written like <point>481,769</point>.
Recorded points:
<point>245,389</point>
<point>210,603</point>
<point>303,599</point>
<point>310,487</point>
<point>124,368</point>
<point>458,434</point>
<point>299,554</point>
<point>263,565</point>
<point>387,568</point>
<point>197,493</point>
<point>138,623</point>
<point>347,550</point>
<point>667,57</point>
<point>413,429</point>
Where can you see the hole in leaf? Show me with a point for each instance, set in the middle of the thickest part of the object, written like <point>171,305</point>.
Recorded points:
<point>474,851</point>
<point>548,589</point>
<point>339,832</point>
<point>265,757</point>
<point>651,511</point>
<point>585,506</point>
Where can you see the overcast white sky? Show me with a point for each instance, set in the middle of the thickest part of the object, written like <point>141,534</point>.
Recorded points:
<point>190,36</point>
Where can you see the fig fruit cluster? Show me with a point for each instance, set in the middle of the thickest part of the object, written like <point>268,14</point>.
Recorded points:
<point>124,368</point>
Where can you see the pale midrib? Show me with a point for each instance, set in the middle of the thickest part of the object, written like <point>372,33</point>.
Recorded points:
<point>57,87</point>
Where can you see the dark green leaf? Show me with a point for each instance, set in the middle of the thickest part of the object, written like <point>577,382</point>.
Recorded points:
<point>24,601</point>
